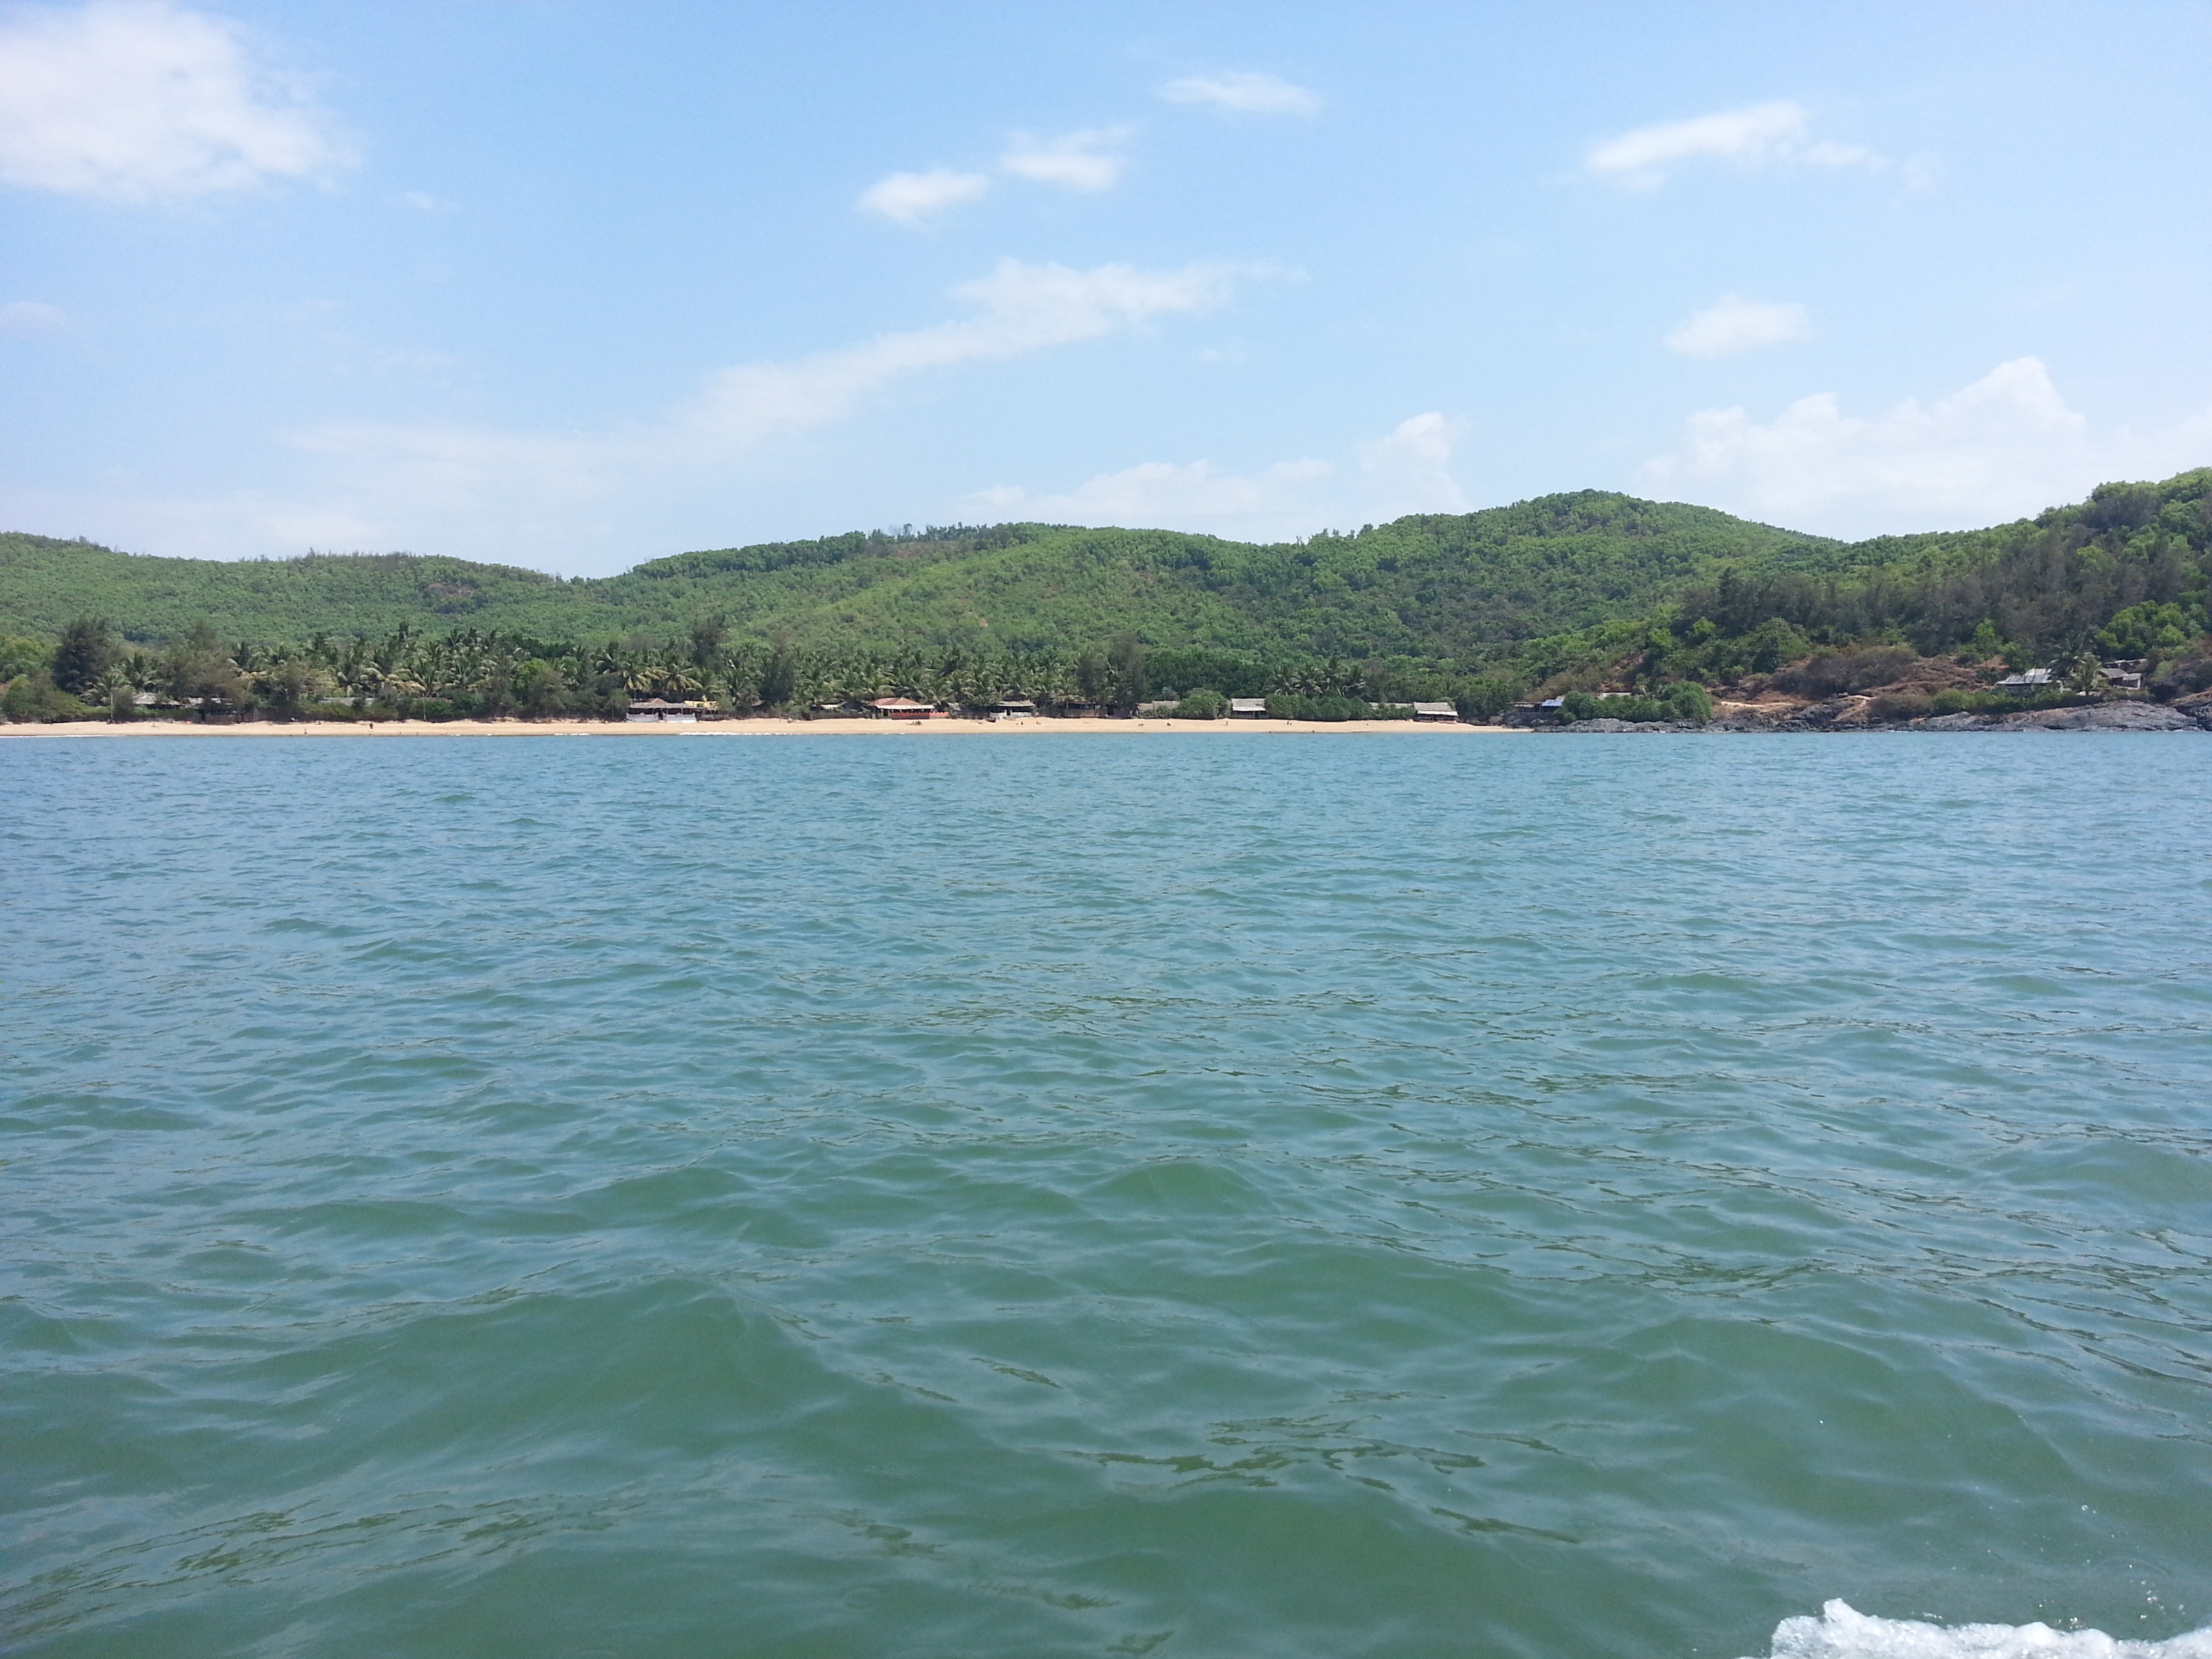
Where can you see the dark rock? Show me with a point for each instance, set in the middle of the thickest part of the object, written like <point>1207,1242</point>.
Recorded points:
<point>2102,717</point>
<point>1751,719</point>
<point>1822,716</point>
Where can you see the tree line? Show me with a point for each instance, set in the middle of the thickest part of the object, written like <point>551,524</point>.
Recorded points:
<point>467,672</point>
<point>2121,575</point>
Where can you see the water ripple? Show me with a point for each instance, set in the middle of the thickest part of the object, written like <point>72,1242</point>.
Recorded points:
<point>1220,1198</point>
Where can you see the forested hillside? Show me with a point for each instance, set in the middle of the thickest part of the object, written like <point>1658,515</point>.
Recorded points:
<point>1431,586</point>
<point>1570,594</point>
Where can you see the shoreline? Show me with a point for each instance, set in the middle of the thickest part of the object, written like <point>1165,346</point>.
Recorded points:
<point>1046,727</point>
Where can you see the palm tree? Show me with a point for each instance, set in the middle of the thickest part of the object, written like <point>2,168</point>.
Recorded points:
<point>115,688</point>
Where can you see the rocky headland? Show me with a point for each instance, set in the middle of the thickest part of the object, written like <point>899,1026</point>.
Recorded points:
<point>1854,714</point>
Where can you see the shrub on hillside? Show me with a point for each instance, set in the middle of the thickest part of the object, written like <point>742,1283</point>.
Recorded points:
<point>31,699</point>
<point>2147,629</point>
<point>20,656</point>
<point>1589,706</point>
<point>1833,671</point>
<point>1901,706</point>
<point>1689,703</point>
<point>2179,679</point>
<point>1293,708</point>
<point>1484,700</point>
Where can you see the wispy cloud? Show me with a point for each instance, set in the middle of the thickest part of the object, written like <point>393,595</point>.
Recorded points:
<point>1759,135</point>
<point>1279,500</point>
<point>140,101</point>
<point>1088,162</point>
<point>1243,92</point>
<point>1733,325</point>
<point>502,492</point>
<point>915,199</point>
<point>1410,469</point>
<point>1019,308</point>
<point>1407,470</point>
<point>31,317</point>
<point>2006,445</point>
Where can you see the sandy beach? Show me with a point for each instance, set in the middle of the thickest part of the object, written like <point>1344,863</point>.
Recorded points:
<point>748,728</point>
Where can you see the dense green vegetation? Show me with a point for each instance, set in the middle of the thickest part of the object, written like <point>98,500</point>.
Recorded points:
<point>1427,585</point>
<point>1570,594</point>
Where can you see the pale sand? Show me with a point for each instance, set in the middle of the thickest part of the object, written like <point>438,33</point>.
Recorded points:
<point>752,728</point>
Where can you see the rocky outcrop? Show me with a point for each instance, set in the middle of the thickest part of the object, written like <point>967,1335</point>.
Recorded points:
<point>2101,717</point>
<point>1762,716</point>
<point>1841,714</point>
<point>1849,713</point>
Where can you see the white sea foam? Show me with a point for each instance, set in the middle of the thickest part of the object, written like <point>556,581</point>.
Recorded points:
<point>1843,1632</point>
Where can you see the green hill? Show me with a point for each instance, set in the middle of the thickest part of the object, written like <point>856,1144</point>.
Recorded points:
<point>1575,592</point>
<point>1428,586</point>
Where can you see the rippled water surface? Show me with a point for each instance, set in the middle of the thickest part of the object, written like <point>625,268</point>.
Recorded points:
<point>1240,1195</point>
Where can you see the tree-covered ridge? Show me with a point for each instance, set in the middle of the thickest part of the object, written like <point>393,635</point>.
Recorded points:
<point>1640,597</point>
<point>45,581</point>
<point>1429,585</point>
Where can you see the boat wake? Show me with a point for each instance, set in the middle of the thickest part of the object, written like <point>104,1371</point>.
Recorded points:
<point>1843,1632</point>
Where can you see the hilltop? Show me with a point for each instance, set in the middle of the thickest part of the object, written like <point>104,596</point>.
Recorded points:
<point>1434,584</point>
<point>1566,595</point>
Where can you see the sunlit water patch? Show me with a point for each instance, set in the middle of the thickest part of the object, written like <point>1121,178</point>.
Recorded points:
<point>1213,1197</point>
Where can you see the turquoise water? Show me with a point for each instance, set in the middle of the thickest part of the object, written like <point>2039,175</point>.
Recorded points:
<point>1196,1197</point>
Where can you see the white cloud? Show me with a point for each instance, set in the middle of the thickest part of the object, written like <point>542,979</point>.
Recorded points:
<point>1020,308</point>
<point>912,199</point>
<point>1733,325</point>
<point>139,100</point>
<point>1277,502</point>
<point>1243,92</point>
<point>31,317</point>
<point>1408,471</point>
<point>1759,135</point>
<point>2002,447</point>
<point>537,498</point>
<point>1087,161</point>
<point>507,494</point>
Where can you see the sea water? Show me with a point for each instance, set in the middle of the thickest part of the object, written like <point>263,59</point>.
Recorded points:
<point>1211,1195</point>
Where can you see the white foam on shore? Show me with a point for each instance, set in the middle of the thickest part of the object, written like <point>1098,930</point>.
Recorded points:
<point>1843,1632</point>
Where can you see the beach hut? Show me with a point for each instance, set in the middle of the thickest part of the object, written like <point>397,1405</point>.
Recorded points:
<point>899,709</point>
<point>1439,713</point>
<point>2029,678</point>
<point>646,711</point>
<point>1248,709</point>
<point>1014,708</point>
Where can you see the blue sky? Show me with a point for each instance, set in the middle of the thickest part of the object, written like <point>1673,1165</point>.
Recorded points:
<point>574,285</point>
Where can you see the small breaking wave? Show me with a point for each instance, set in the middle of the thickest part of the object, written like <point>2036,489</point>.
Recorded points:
<point>1843,1632</point>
